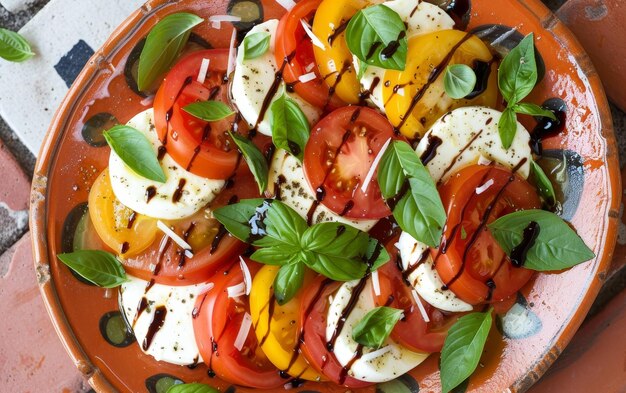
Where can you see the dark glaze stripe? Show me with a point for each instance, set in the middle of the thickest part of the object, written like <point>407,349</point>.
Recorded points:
<point>179,190</point>
<point>221,232</point>
<point>141,307</point>
<point>181,253</point>
<point>434,74</point>
<point>482,69</point>
<point>124,248</point>
<point>170,112</point>
<point>157,323</point>
<point>364,95</point>
<point>431,149</point>
<point>340,29</point>
<point>518,253</point>
<point>347,66</point>
<point>410,269</point>
<point>392,47</point>
<point>131,220</point>
<point>278,78</point>
<point>205,136</point>
<point>270,314</point>
<point>459,154</point>
<point>150,193</point>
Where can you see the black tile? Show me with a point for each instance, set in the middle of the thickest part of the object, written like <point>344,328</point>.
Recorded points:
<point>73,62</point>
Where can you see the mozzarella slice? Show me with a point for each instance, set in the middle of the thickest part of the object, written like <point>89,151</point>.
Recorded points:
<point>382,366</point>
<point>420,18</point>
<point>174,342</point>
<point>295,192</point>
<point>253,80</point>
<point>425,278</point>
<point>131,189</point>
<point>466,134</point>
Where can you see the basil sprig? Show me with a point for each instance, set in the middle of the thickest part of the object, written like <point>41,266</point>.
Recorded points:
<point>136,151</point>
<point>163,44</point>
<point>254,158</point>
<point>290,127</point>
<point>544,185</point>
<point>418,208</point>
<point>14,47</point>
<point>517,77</point>
<point>376,326</point>
<point>209,110</point>
<point>192,388</point>
<point>376,35</point>
<point>556,247</point>
<point>459,81</point>
<point>255,45</point>
<point>462,348</point>
<point>283,238</point>
<point>96,266</point>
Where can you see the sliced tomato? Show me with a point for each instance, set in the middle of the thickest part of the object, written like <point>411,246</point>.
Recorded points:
<point>313,315</point>
<point>217,320</point>
<point>412,331</point>
<point>212,246</point>
<point>203,148</point>
<point>474,266</point>
<point>293,43</point>
<point>338,156</point>
<point>123,230</point>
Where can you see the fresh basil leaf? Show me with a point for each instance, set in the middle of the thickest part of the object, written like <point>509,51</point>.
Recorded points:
<point>556,247</point>
<point>339,251</point>
<point>288,281</point>
<point>507,127</point>
<point>283,226</point>
<point>255,45</point>
<point>526,108</point>
<point>419,210</point>
<point>463,233</point>
<point>376,326</point>
<point>239,218</point>
<point>277,255</point>
<point>544,185</point>
<point>361,68</point>
<point>255,159</point>
<point>462,348</point>
<point>192,388</point>
<point>136,151</point>
<point>96,266</point>
<point>459,81</point>
<point>14,47</point>
<point>209,110</point>
<point>163,44</point>
<point>290,127</point>
<point>517,75</point>
<point>377,36</point>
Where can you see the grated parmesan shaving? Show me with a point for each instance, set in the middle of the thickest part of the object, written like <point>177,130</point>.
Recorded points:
<point>377,353</point>
<point>177,239</point>
<point>247,277</point>
<point>420,306</point>
<point>310,67</point>
<point>370,173</point>
<point>482,160</point>
<point>484,187</point>
<point>232,54</point>
<point>286,4</point>
<point>204,68</point>
<point>216,25</point>
<point>316,41</point>
<point>204,288</point>
<point>244,329</point>
<point>332,66</point>
<point>376,283</point>
<point>216,20</point>
<point>307,77</point>
<point>236,290</point>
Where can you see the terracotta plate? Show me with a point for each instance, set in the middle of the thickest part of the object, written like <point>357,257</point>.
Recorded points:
<point>546,313</point>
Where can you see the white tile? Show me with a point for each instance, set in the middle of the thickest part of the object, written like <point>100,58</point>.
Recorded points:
<point>15,5</point>
<point>31,91</point>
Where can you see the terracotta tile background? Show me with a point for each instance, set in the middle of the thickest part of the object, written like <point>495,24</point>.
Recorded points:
<point>32,358</point>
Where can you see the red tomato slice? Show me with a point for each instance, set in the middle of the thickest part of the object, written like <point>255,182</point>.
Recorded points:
<point>207,259</point>
<point>412,331</point>
<point>474,266</point>
<point>292,41</point>
<point>338,157</point>
<point>216,323</point>
<point>204,148</point>
<point>313,312</point>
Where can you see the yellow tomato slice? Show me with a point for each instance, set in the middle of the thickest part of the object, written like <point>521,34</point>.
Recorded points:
<point>335,60</point>
<point>410,94</point>
<point>126,232</point>
<point>278,332</point>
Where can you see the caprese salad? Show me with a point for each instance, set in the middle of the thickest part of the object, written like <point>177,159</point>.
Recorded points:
<point>338,196</point>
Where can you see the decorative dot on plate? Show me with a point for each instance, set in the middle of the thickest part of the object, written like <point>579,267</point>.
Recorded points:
<point>160,383</point>
<point>115,331</point>
<point>403,384</point>
<point>95,126</point>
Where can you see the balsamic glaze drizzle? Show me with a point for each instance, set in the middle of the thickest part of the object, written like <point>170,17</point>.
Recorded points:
<point>157,323</point>
<point>518,253</point>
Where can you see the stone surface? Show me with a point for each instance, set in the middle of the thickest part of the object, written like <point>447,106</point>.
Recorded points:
<point>32,358</point>
<point>14,196</point>
<point>600,28</point>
